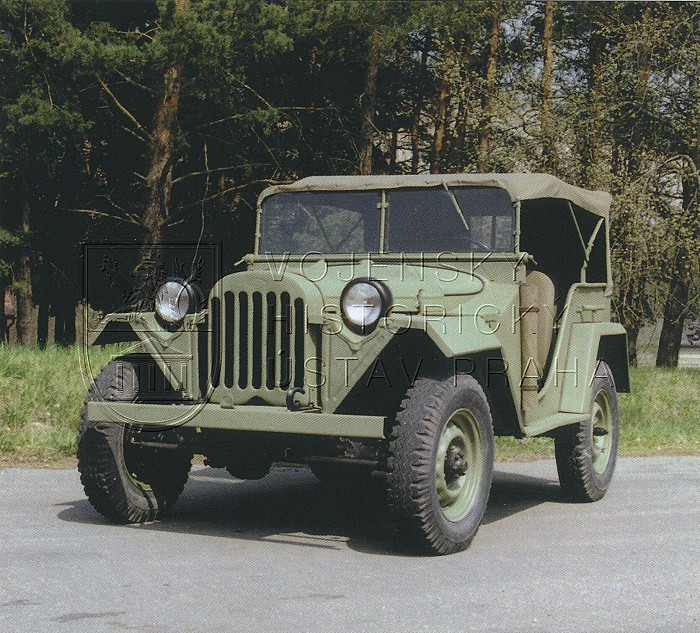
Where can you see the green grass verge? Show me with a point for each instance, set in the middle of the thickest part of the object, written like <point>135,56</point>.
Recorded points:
<point>41,394</point>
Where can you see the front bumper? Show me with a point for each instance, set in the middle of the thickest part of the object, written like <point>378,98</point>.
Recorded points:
<point>266,419</point>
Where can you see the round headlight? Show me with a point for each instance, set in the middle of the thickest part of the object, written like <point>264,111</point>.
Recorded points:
<point>362,303</point>
<point>174,299</point>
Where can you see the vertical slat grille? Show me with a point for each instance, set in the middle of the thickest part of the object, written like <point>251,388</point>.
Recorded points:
<point>229,337</point>
<point>261,342</point>
<point>242,340</point>
<point>203,356</point>
<point>215,356</point>
<point>285,348</point>
<point>270,341</point>
<point>299,340</point>
<point>257,356</point>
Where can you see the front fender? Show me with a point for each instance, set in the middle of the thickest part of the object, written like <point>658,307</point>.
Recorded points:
<point>174,352</point>
<point>458,336</point>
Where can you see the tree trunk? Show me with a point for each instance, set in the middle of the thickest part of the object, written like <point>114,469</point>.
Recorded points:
<point>160,173</point>
<point>635,164</point>
<point>307,135</point>
<point>487,104</point>
<point>688,236</point>
<point>418,106</point>
<point>42,324</point>
<point>632,354</point>
<point>313,78</point>
<point>393,149</point>
<point>676,306</point>
<point>674,313</point>
<point>59,329</point>
<point>440,126</point>
<point>65,323</point>
<point>5,317</point>
<point>160,180</point>
<point>626,301</point>
<point>592,133</point>
<point>627,162</point>
<point>644,59</point>
<point>548,149</point>
<point>459,148</point>
<point>369,107</point>
<point>70,329</point>
<point>26,323</point>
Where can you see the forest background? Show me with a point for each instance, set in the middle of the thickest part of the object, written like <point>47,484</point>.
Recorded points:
<point>140,121</point>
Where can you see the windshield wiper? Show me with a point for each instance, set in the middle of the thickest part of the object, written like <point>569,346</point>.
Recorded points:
<point>456,205</point>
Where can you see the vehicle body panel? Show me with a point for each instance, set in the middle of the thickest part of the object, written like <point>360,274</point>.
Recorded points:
<point>279,325</point>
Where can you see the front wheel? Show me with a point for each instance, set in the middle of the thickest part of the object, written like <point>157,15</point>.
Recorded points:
<point>123,480</point>
<point>586,452</point>
<point>440,463</point>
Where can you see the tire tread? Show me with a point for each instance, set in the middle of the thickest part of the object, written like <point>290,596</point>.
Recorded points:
<point>410,469</point>
<point>99,471</point>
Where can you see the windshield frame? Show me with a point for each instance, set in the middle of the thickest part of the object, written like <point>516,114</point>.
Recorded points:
<point>383,226</point>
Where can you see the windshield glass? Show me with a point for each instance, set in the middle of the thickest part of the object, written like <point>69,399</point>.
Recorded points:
<point>418,220</point>
<point>458,220</point>
<point>321,221</point>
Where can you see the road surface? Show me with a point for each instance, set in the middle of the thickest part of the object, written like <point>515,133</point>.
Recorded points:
<point>283,554</point>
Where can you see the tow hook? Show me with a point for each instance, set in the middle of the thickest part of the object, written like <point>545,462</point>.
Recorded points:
<point>292,404</point>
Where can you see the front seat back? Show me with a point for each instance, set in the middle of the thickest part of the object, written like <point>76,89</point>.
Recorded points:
<point>545,315</point>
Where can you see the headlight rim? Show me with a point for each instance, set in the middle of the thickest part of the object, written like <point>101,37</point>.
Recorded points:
<point>384,294</point>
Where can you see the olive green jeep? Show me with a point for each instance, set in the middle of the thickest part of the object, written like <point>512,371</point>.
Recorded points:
<point>389,324</point>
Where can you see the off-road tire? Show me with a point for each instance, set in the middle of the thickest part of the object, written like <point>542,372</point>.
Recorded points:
<point>108,483</point>
<point>584,473</point>
<point>413,478</point>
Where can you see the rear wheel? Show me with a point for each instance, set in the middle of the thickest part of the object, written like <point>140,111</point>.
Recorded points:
<point>441,463</point>
<point>124,481</point>
<point>586,453</point>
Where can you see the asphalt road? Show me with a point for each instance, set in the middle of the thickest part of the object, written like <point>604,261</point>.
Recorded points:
<point>283,554</point>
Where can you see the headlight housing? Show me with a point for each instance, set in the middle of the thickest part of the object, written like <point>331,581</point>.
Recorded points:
<point>175,299</point>
<point>363,302</point>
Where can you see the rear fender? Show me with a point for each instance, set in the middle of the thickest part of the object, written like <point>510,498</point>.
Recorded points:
<point>586,342</point>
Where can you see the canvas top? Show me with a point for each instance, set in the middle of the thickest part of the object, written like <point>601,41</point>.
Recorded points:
<point>519,186</point>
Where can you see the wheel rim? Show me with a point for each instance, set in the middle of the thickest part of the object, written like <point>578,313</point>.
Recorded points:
<point>459,465</point>
<point>601,431</point>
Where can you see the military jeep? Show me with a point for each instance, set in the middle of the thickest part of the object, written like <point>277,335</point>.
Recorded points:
<point>384,324</point>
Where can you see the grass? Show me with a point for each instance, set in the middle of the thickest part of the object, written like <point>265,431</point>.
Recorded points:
<point>662,414</point>
<point>41,394</point>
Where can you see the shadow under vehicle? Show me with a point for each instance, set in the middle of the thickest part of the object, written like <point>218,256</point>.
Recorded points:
<point>391,323</point>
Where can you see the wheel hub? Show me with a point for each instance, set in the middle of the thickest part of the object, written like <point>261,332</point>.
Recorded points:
<point>458,465</point>
<point>455,463</point>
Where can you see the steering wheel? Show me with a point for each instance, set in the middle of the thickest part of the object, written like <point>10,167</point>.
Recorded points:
<point>476,242</point>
